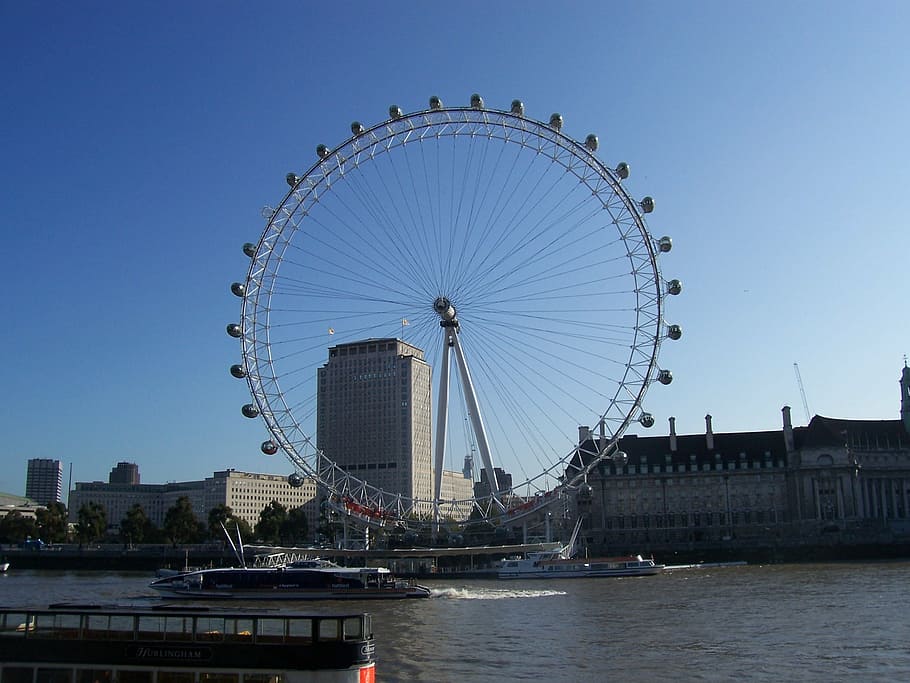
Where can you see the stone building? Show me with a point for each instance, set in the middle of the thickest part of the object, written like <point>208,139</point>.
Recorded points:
<point>835,481</point>
<point>246,493</point>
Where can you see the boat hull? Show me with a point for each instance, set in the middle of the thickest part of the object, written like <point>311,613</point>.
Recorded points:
<point>580,574</point>
<point>348,594</point>
<point>323,582</point>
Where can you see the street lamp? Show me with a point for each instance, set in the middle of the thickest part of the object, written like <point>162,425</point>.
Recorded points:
<point>602,471</point>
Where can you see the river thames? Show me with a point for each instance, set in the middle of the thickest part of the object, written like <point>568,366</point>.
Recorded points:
<point>797,622</point>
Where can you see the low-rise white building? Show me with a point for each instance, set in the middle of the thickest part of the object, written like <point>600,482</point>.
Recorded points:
<point>246,493</point>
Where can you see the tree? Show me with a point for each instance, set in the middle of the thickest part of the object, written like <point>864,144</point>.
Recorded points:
<point>91,522</point>
<point>328,522</point>
<point>295,527</point>
<point>16,527</point>
<point>180,524</point>
<point>135,526</point>
<point>268,529</point>
<point>53,526</point>
<point>222,514</point>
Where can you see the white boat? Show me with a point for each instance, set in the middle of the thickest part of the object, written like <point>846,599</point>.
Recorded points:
<point>303,580</point>
<point>560,564</point>
<point>4,566</point>
<point>553,565</point>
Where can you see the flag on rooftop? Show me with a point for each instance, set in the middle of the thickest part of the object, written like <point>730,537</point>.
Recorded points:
<point>404,321</point>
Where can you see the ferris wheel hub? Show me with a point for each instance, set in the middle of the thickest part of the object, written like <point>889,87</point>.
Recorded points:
<point>444,309</point>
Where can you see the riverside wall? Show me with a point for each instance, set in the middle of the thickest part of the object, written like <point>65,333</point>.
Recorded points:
<point>117,558</point>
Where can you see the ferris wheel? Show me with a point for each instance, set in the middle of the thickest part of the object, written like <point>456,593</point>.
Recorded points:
<point>494,254</point>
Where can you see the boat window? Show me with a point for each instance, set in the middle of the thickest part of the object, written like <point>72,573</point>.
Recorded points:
<point>93,675</point>
<point>66,625</point>
<point>54,676</point>
<point>263,678</point>
<point>128,676</point>
<point>209,628</point>
<point>300,629</point>
<point>109,626</point>
<point>353,628</point>
<point>152,627</point>
<point>178,627</point>
<point>270,630</point>
<point>206,677</point>
<point>121,627</point>
<point>15,674</point>
<point>15,621</point>
<point>176,677</point>
<point>328,629</point>
<point>240,629</point>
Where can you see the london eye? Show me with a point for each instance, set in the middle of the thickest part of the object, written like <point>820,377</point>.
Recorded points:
<point>466,288</point>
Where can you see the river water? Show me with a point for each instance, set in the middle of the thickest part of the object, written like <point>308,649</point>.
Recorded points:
<point>812,622</point>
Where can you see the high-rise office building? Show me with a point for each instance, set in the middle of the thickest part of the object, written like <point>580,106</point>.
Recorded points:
<point>374,414</point>
<point>44,480</point>
<point>124,473</point>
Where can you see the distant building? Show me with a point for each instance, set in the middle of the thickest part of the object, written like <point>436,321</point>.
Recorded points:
<point>458,487</point>
<point>124,473</point>
<point>374,415</point>
<point>154,499</point>
<point>482,487</point>
<point>44,481</point>
<point>833,481</point>
<point>247,494</point>
<point>24,506</point>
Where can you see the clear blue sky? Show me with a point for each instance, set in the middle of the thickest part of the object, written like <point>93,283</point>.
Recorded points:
<point>138,142</point>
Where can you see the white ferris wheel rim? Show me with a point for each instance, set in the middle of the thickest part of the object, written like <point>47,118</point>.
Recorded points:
<point>269,373</point>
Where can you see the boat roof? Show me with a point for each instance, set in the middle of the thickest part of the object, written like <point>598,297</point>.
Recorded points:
<point>175,609</point>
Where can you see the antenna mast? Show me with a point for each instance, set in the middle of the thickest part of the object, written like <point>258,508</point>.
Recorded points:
<point>802,391</point>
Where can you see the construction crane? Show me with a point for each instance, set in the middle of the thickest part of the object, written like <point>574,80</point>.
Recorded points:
<point>802,392</point>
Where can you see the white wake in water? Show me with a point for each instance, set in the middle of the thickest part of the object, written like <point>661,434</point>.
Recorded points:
<point>490,593</point>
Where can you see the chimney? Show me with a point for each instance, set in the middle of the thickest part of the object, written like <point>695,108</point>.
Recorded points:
<point>905,396</point>
<point>788,429</point>
<point>709,432</point>
<point>584,434</point>
<point>673,434</point>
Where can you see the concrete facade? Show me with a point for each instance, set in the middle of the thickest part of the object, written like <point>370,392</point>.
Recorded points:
<point>246,493</point>
<point>374,415</point>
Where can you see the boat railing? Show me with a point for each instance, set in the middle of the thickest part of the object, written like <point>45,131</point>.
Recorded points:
<point>279,559</point>
<point>93,624</point>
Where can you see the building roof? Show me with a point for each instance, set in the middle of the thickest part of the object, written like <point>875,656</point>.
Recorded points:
<point>857,434</point>
<point>728,446</point>
<point>8,499</point>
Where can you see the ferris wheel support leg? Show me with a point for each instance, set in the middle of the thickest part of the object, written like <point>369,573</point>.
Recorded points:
<point>442,415</point>
<point>476,421</point>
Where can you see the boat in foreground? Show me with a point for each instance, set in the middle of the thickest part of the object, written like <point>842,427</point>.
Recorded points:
<point>167,644</point>
<point>561,564</point>
<point>302,580</point>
